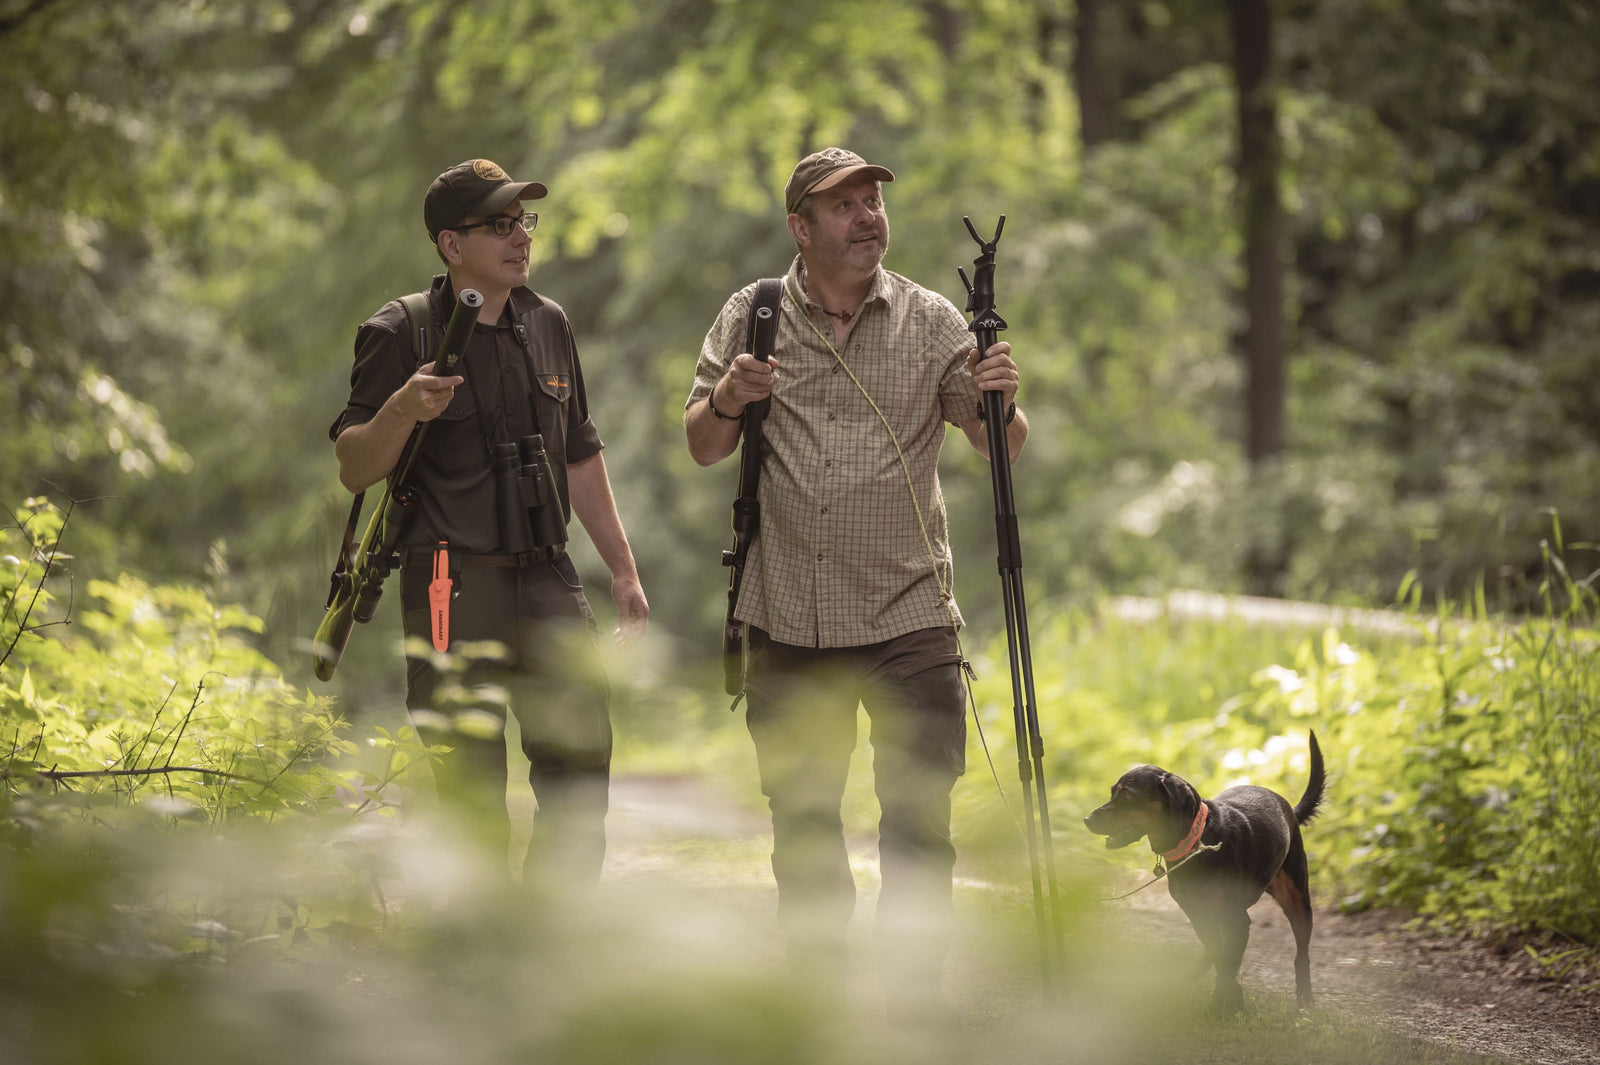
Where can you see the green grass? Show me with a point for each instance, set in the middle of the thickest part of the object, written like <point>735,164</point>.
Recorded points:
<point>676,962</point>
<point>279,913</point>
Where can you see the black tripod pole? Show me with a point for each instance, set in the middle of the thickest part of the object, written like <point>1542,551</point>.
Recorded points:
<point>986,325</point>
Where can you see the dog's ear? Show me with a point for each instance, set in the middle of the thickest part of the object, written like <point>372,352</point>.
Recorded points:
<point>1178,795</point>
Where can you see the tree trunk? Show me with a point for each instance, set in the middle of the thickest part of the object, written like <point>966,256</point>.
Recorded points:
<point>1263,337</point>
<point>1088,78</point>
<point>945,23</point>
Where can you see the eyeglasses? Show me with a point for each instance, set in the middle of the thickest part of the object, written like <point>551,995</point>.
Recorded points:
<point>504,224</point>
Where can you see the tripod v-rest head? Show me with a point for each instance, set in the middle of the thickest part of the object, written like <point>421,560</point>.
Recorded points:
<point>980,290</point>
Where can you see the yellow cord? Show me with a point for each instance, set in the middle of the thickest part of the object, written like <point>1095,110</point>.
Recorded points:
<point>927,542</point>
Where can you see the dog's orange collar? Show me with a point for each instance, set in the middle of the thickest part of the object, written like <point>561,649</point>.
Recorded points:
<point>1182,850</point>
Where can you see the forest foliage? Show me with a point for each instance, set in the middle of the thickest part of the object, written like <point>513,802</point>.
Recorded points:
<point>199,202</point>
<point>202,200</point>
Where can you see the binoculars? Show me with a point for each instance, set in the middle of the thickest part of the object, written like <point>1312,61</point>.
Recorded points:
<point>529,505</point>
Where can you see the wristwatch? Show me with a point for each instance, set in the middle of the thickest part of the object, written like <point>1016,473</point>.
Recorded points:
<point>1011,413</point>
<point>711,401</point>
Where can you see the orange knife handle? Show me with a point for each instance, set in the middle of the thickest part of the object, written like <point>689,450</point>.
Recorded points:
<point>440,590</point>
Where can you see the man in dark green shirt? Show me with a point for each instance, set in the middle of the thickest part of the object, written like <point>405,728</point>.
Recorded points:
<point>521,633</point>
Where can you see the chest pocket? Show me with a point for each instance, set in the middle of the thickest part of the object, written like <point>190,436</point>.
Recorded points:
<point>454,444</point>
<point>553,376</point>
<point>558,386</point>
<point>462,405</point>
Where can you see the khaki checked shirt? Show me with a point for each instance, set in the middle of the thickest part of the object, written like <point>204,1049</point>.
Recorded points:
<point>842,559</point>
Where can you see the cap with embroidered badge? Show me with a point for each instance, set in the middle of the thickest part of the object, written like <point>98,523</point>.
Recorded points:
<point>823,170</point>
<point>477,187</point>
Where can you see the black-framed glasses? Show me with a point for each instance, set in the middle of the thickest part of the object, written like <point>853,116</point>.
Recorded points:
<point>503,224</point>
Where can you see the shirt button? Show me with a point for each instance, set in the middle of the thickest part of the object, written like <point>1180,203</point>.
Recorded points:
<point>827,462</point>
<point>831,416</point>
<point>824,510</point>
<point>819,558</point>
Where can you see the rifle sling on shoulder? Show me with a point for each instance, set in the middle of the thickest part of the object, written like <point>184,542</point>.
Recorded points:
<point>417,316</point>
<point>761,333</point>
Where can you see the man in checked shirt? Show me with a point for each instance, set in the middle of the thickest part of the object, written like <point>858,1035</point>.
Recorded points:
<point>847,590</point>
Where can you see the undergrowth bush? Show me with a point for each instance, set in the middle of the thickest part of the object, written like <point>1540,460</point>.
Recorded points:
<point>1461,760</point>
<point>137,714</point>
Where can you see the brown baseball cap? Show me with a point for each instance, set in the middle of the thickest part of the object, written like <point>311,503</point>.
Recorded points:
<point>823,170</point>
<point>476,187</point>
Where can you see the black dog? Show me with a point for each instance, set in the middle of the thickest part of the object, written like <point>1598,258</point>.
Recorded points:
<point>1222,854</point>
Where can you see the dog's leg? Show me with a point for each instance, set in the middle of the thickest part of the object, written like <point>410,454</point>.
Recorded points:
<point>1225,930</point>
<point>1291,889</point>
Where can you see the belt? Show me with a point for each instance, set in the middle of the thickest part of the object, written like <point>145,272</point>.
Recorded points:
<point>423,556</point>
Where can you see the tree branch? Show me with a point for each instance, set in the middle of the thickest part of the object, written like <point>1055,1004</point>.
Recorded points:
<point>62,774</point>
<point>49,564</point>
<point>15,21</point>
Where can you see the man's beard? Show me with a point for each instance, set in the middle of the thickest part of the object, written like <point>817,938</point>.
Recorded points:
<point>848,254</point>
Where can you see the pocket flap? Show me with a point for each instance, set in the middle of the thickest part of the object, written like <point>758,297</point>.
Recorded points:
<point>558,386</point>
<point>461,405</point>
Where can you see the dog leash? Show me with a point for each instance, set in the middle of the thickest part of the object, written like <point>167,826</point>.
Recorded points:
<point>1162,869</point>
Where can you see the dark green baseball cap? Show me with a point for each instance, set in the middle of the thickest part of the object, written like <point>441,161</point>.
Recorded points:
<point>477,187</point>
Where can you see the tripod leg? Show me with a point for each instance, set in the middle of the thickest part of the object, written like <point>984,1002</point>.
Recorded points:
<point>1036,745</point>
<point>1025,774</point>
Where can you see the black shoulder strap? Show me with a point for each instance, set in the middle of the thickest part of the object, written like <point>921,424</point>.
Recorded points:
<point>421,319</point>
<point>761,334</point>
<point>761,327</point>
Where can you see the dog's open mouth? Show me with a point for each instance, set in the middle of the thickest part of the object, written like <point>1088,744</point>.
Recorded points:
<point>1125,838</point>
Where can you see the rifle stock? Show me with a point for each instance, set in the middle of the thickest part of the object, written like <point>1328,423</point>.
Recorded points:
<point>358,580</point>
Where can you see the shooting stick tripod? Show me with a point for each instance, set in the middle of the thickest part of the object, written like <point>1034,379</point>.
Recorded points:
<point>986,325</point>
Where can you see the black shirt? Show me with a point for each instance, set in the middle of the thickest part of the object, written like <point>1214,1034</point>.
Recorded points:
<point>511,390</point>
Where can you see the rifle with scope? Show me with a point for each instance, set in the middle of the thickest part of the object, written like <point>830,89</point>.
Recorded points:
<point>359,572</point>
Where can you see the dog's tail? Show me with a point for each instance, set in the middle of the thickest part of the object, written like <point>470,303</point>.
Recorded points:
<point>1306,808</point>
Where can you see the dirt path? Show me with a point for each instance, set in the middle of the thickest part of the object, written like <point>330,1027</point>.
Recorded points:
<point>681,834</point>
<point>1459,993</point>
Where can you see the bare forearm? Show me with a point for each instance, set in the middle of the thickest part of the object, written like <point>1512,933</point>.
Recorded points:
<point>367,452</point>
<point>589,488</point>
<point>711,439</point>
<point>1016,435</point>
<point>748,380</point>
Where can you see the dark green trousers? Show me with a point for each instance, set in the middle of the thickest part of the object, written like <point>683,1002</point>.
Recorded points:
<point>522,640</point>
<point>802,717</point>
